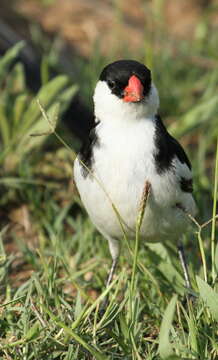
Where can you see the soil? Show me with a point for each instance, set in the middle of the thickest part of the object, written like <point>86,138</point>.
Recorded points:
<point>87,22</point>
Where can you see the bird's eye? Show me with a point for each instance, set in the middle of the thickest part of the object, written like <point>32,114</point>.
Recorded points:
<point>111,84</point>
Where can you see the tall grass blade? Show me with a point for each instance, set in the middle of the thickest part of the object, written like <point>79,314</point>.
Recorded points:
<point>203,257</point>
<point>165,347</point>
<point>213,230</point>
<point>8,58</point>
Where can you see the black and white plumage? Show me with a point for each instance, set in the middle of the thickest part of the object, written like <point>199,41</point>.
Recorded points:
<point>128,147</point>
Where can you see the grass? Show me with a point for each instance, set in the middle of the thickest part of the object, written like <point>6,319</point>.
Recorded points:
<point>53,263</point>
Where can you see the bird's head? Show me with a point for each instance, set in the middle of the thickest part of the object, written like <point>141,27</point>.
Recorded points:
<point>125,90</point>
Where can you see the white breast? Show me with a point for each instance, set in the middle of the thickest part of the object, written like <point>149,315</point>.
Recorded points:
<point>123,162</point>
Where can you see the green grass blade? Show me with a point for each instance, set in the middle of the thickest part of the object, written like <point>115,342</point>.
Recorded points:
<point>213,230</point>
<point>209,296</point>
<point>19,109</point>
<point>198,115</point>
<point>7,59</point>
<point>192,326</point>
<point>48,94</point>
<point>4,126</point>
<point>165,347</point>
<point>97,355</point>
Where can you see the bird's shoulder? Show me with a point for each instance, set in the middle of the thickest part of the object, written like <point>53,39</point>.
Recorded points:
<point>168,152</point>
<point>86,151</point>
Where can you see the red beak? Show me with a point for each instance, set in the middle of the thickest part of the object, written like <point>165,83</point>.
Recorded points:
<point>133,92</point>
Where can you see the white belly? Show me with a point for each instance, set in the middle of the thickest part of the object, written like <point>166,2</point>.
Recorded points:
<point>120,172</point>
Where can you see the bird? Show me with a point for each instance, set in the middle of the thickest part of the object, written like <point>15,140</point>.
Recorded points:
<point>129,149</point>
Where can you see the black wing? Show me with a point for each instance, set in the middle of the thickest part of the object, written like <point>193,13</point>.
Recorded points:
<point>86,152</point>
<point>167,148</point>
